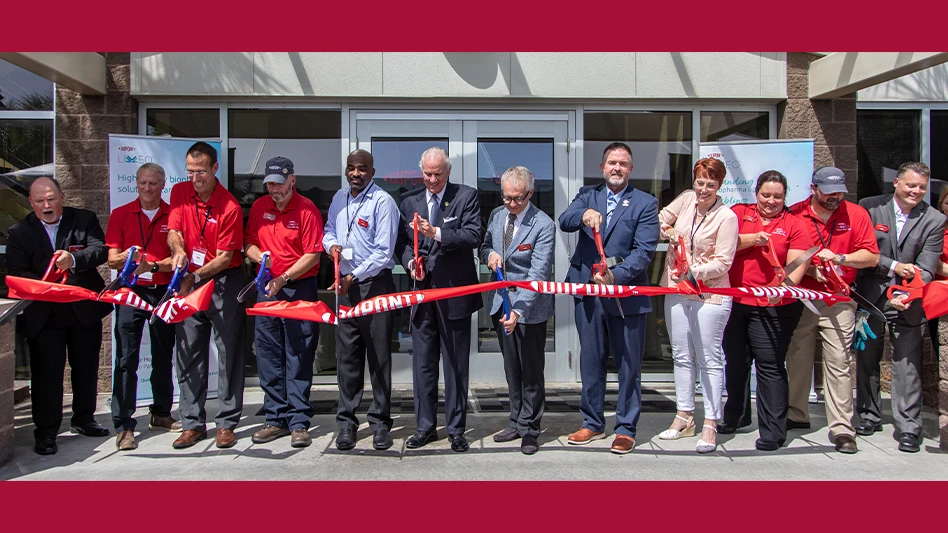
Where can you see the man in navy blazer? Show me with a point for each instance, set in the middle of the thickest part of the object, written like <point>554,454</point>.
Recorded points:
<point>627,220</point>
<point>449,229</point>
<point>519,241</point>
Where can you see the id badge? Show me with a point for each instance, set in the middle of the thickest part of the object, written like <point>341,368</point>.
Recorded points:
<point>147,276</point>
<point>347,254</point>
<point>197,256</point>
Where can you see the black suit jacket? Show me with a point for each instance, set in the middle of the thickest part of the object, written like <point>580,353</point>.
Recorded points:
<point>29,253</point>
<point>449,263</point>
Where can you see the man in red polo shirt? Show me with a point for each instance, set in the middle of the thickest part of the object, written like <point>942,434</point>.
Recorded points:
<point>142,222</point>
<point>844,231</point>
<point>206,232</point>
<point>289,227</point>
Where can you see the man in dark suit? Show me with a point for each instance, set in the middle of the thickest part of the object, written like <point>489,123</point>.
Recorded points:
<point>449,229</point>
<point>910,234</point>
<point>57,331</point>
<point>627,220</point>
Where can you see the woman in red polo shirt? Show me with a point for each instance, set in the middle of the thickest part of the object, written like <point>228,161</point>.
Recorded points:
<point>759,330</point>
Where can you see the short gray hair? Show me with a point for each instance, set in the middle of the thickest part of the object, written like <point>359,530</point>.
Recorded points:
<point>518,175</point>
<point>436,151</point>
<point>154,167</point>
<point>919,168</point>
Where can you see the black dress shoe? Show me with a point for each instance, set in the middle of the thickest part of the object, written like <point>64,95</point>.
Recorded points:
<point>765,446</point>
<point>867,427</point>
<point>382,440</point>
<point>91,429</point>
<point>420,438</point>
<point>909,442</point>
<point>46,446</point>
<point>507,435</point>
<point>529,445</point>
<point>793,424</point>
<point>726,429</point>
<point>458,443</point>
<point>346,440</point>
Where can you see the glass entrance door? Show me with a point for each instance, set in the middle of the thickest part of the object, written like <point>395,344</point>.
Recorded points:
<point>481,149</point>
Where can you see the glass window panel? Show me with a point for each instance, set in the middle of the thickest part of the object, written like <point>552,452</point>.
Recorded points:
<point>734,125</point>
<point>494,156</point>
<point>662,162</point>
<point>939,151</point>
<point>397,172</point>
<point>25,144</point>
<point>316,162</point>
<point>285,123</point>
<point>198,123</point>
<point>884,140</point>
<point>22,90</point>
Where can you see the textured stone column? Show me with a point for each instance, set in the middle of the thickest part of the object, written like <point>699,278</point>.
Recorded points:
<point>7,364</point>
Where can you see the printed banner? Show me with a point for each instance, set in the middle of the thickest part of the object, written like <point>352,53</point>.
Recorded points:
<point>126,154</point>
<point>746,160</point>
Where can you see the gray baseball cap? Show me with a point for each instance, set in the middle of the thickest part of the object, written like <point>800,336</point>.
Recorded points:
<point>278,168</point>
<point>830,180</point>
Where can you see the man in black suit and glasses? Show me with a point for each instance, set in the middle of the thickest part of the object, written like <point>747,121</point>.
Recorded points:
<point>449,231</point>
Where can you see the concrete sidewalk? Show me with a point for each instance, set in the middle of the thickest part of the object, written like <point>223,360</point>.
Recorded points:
<point>809,455</point>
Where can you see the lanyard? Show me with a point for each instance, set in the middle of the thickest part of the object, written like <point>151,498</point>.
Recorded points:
<point>141,230</point>
<point>365,193</point>
<point>207,216</point>
<point>825,242</point>
<point>694,230</point>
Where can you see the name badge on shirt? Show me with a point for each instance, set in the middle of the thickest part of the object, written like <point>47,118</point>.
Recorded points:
<point>76,248</point>
<point>882,227</point>
<point>364,223</point>
<point>198,256</point>
<point>269,216</point>
<point>347,254</point>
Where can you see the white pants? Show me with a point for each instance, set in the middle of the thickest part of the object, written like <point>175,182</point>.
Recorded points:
<point>696,329</point>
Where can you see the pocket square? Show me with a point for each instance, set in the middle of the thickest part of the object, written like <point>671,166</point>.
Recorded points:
<point>449,219</point>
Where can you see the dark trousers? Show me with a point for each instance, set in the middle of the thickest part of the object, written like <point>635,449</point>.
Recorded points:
<point>62,339</point>
<point>524,361</point>
<point>432,336</point>
<point>627,342</point>
<point>906,341</point>
<point>361,339</point>
<point>286,351</point>
<point>759,335</point>
<point>129,323</point>
<point>225,316</point>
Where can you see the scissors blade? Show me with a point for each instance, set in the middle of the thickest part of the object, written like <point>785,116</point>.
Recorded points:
<point>14,310</point>
<point>114,286</point>
<point>154,314</point>
<point>801,260</point>
<point>868,306</point>
<point>242,295</point>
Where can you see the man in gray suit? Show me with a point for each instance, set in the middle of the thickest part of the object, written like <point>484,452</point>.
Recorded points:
<point>910,234</point>
<point>519,241</point>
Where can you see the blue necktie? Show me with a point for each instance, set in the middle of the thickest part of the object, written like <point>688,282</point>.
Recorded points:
<point>612,200</point>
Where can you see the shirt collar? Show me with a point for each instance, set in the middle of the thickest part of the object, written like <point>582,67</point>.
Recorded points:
<point>520,216</point>
<point>898,211</point>
<point>364,192</point>
<point>163,206</point>
<point>290,206</point>
<point>215,196</point>
<point>610,194</point>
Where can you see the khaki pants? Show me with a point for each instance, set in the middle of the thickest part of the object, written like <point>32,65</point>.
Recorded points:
<point>835,329</point>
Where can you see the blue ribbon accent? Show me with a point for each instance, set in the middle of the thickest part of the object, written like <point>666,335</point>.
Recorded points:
<point>499,276</point>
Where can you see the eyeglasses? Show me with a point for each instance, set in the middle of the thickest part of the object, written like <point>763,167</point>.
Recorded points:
<point>514,199</point>
<point>200,173</point>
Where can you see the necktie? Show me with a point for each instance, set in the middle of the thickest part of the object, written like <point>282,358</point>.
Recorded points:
<point>611,202</point>
<point>508,233</point>
<point>433,209</point>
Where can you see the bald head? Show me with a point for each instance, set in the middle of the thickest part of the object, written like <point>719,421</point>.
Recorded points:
<point>47,199</point>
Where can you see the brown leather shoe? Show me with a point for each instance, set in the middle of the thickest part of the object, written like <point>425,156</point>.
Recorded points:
<point>300,438</point>
<point>164,423</point>
<point>585,436</point>
<point>226,438</point>
<point>125,440</point>
<point>269,434</point>
<point>189,438</point>
<point>622,444</point>
<point>845,444</point>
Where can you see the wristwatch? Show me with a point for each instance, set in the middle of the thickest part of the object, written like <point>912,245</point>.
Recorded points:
<point>286,278</point>
<point>154,268</point>
<point>354,278</point>
<point>840,258</point>
<point>197,278</point>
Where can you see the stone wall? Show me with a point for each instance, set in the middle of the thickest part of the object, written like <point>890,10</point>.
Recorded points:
<point>7,364</point>
<point>83,125</point>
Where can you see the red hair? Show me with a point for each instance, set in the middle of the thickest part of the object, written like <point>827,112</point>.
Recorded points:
<point>710,168</point>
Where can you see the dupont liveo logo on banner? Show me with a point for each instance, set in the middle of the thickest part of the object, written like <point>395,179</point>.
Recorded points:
<point>746,160</point>
<point>126,154</point>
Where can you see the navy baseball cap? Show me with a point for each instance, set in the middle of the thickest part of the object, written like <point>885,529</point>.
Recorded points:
<point>278,168</point>
<point>830,180</point>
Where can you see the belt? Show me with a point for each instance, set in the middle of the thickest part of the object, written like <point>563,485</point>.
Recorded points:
<point>382,274</point>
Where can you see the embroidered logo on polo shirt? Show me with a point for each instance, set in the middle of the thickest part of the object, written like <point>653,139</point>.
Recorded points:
<point>292,224</point>
<point>163,228</point>
<point>269,216</point>
<point>750,218</point>
<point>780,231</point>
<point>842,226</point>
